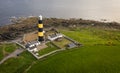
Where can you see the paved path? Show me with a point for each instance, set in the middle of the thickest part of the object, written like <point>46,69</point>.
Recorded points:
<point>14,54</point>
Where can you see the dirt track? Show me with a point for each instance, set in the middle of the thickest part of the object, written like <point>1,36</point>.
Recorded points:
<point>14,54</point>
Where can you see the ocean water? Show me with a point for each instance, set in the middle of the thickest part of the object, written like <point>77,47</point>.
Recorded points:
<point>86,9</point>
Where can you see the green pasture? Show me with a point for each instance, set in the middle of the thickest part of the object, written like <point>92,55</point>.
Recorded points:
<point>6,49</point>
<point>99,54</point>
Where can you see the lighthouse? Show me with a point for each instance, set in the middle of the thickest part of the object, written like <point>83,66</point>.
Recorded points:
<point>40,30</point>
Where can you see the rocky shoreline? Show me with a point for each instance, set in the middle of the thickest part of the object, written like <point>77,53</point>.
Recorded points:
<point>15,30</point>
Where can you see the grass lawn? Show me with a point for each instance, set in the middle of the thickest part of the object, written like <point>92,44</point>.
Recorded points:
<point>48,49</point>
<point>99,54</point>
<point>1,52</point>
<point>87,59</point>
<point>17,65</point>
<point>10,47</point>
<point>94,36</point>
<point>6,49</point>
<point>62,43</point>
<point>96,56</point>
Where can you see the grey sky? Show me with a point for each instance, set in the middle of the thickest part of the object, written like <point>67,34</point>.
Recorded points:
<point>90,9</point>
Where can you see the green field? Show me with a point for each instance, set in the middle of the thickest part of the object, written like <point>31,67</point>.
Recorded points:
<point>62,43</point>
<point>89,59</point>
<point>50,48</point>
<point>17,65</point>
<point>99,54</point>
<point>6,49</point>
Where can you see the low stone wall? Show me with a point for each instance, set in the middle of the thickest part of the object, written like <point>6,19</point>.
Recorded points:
<point>50,53</point>
<point>20,45</point>
<point>77,43</point>
<point>39,57</point>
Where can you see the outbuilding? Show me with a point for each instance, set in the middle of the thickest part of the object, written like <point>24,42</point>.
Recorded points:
<point>71,45</point>
<point>54,36</point>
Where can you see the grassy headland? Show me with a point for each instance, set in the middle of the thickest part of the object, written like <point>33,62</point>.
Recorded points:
<point>6,49</point>
<point>99,53</point>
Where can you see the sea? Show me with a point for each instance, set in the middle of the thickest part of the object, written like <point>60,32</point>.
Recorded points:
<point>86,9</point>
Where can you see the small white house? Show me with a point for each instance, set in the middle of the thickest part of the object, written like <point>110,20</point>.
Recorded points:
<point>33,49</point>
<point>54,36</point>
<point>31,46</point>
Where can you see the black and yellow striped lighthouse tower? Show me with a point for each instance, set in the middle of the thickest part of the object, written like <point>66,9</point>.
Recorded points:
<point>40,30</point>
